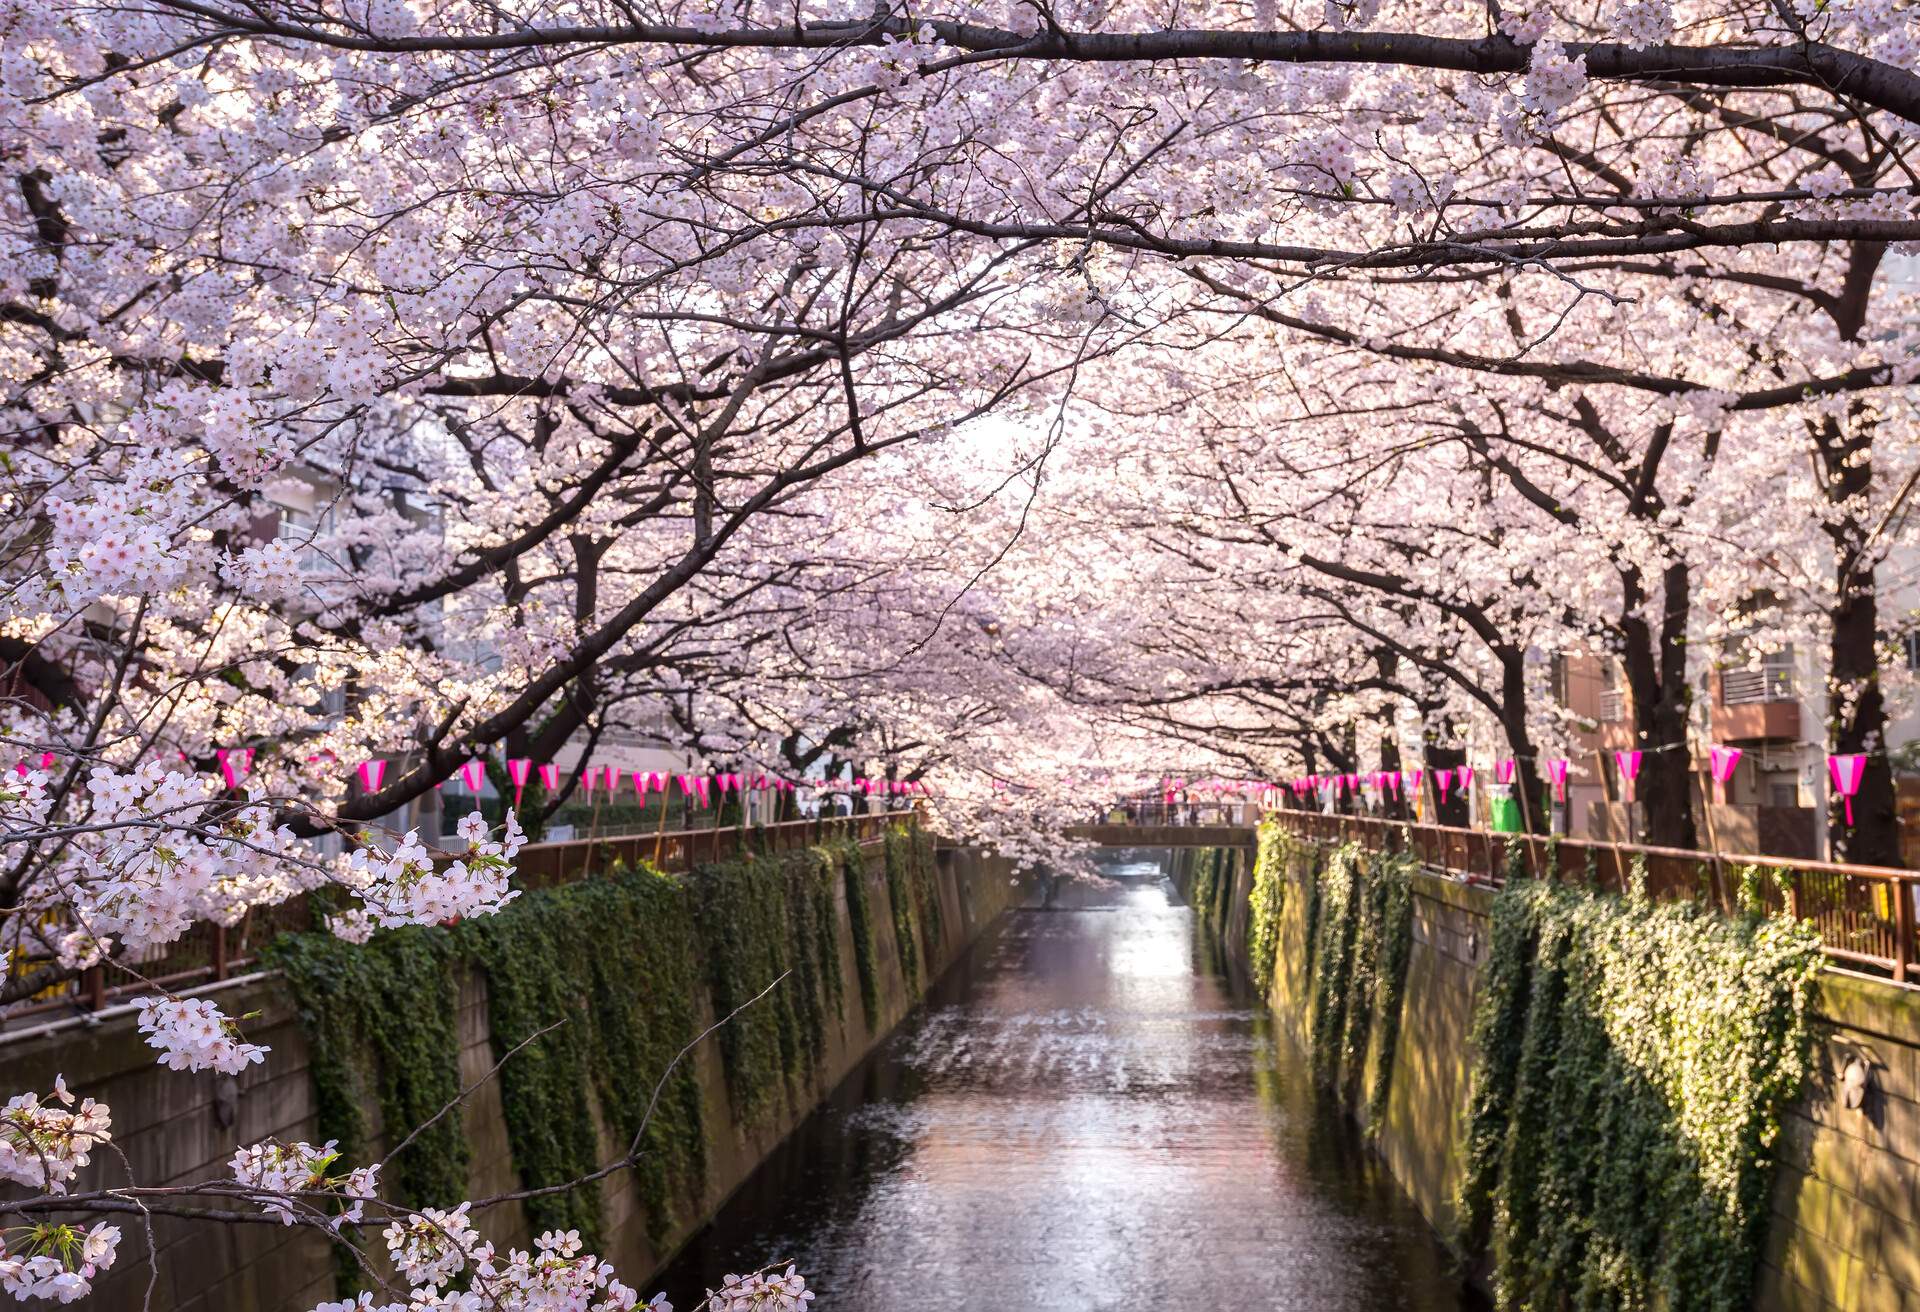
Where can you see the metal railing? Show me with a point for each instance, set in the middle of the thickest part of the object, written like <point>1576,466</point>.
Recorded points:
<point>210,953</point>
<point>1770,683</point>
<point>542,865</point>
<point>1865,915</point>
<point>1177,813</point>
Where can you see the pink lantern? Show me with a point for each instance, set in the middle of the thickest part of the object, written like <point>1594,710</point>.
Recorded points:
<point>1557,771</point>
<point>371,773</point>
<point>519,769</point>
<point>1847,772</point>
<point>550,777</point>
<point>1414,777</point>
<point>612,776</point>
<point>1443,780</point>
<point>640,786</point>
<point>1724,761</point>
<point>700,783</point>
<point>1504,771</point>
<point>473,774</point>
<point>588,778</point>
<point>1629,763</point>
<point>234,764</point>
<point>1465,777</point>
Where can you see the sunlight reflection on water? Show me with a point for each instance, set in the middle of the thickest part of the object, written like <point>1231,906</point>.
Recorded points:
<point>1081,1117</point>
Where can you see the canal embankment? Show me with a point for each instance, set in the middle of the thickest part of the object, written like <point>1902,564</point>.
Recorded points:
<point>551,1031</point>
<point>1629,1139</point>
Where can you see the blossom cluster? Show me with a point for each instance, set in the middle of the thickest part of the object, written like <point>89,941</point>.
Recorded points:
<point>192,1035</point>
<point>283,1170</point>
<point>433,1247</point>
<point>56,1262</point>
<point>763,1291</point>
<point>41,1145</point>
<point>405,887</point>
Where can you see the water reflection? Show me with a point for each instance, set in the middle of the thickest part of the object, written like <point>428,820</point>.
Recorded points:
<point>1083,1116</point>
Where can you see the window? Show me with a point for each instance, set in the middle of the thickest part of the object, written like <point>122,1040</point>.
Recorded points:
<point>1912,644</point>
<point>297,529</point>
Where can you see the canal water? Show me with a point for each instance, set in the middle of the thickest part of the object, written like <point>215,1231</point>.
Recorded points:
<point>1085,1114</point>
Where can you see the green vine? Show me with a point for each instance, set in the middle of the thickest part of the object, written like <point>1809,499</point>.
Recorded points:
<point>905,899</point>
<point>1634,1061</point>
<point>1274,854</point>
<point>1339,920</point>
<point>380,1023</point>
<point>592,987</point>
<point>1390,906</point>
<point>759,920</point>
<point>382,1019</point>
<point>1364,935</point>
<point>613,960</point>
<point>853,867</point>
<point>610,959</point>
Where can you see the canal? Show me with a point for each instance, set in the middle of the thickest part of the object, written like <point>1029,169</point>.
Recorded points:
<point>1084,1114</point>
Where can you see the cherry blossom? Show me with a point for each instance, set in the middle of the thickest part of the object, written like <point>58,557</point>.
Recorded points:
<point>193,1035</point>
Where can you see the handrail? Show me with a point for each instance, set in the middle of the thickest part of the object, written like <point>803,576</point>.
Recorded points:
<point>211,953</point>
<point>1865,915</point>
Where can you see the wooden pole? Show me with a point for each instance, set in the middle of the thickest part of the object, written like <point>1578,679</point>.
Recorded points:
<point>660,830</point>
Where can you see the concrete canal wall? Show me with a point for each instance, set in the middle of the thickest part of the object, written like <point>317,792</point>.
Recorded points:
<point>1844,1234</point>
<point>178,1129</point>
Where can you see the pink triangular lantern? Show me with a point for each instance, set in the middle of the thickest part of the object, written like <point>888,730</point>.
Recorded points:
<point>700,783</point>
<point>1443,780</point>
<point>1504,770</point>
<point>1629,763</point>
<point>588,778</point>
<point>1724,761</point>
<point>519,769</point>
<point>473,774</point>
<point>371,773</point>
<point>640,786</point>
<point>1465,777</point>
<point>1557,771</point>
<point>611,774</point>
<point>1847,772</point>
<point>234,764</point>
<point>550,777</point>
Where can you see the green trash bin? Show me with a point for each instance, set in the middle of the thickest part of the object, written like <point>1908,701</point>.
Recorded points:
<point>1506,813</point>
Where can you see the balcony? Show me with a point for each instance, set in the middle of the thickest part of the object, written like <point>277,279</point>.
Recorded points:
<point>1745,687</point>
<point>1751,706</point>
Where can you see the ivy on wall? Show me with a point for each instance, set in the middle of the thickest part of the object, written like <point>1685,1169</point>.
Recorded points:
<point>1363,941</point>
<point>1276,853</point>
<point>1634,1062</point>
<point>615,958</point>
<point>1211,891</point>
<point>619,960</point>
<point>860,916</point>
<point>759,920</point>
<point>918,926</point>
<point>396,1001</point>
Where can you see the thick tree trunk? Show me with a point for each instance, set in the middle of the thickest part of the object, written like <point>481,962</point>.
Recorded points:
<point>1393,802</point>
<point>1857,723</point>
<point>1513,720</point>
<point>1453,810</point>
<point>1656,666</point>
<point>1856,707</point>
